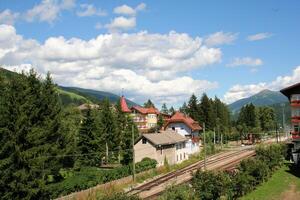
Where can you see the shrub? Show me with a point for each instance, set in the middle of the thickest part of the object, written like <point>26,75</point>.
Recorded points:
<point>182,192</point>
<point>117,196</point>
<point>88,177</point>
<point>210,185</point>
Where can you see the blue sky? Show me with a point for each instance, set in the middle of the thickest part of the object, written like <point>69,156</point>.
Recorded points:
<point>163,50</point>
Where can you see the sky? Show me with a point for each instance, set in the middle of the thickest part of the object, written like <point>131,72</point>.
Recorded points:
<point>162,50</point>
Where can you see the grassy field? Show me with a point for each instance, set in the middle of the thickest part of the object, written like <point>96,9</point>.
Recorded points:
<point>284,184</point>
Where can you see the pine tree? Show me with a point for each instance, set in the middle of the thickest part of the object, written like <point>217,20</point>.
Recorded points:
<point>207,112</point>
<point>32,137</point>
<point>149,104</point>
<point>184,108</point>
<point>160,122</point>
<point>164,109</point>
<point>108,128</point>
<point>171,111</point>
<point>193,109</point>
<point>89,141</point>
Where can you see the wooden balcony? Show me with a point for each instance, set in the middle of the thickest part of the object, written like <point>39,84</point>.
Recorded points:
<point>295,119</point>
<point>295,103</point>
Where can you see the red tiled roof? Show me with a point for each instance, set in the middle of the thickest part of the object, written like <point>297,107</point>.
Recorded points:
<point>180,117</point>
<point>143,110</point>
<point>124,106</point>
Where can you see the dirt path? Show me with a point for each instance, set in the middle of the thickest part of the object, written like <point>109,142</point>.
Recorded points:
<point>291,194</point>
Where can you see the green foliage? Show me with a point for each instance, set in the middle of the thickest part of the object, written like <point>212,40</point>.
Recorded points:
<point>31,136</point>
<point>88,177</point>
<point>89,141</point>
<point>273,155</point>
<point>210,185</point>
<point>160,122</point>
<point>117,196</point>
<point>164,109</point>
<point>182,192</point>
<point>149,104</point>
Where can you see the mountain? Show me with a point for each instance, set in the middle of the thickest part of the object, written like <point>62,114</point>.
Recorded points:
<point>263,98</point>
<point>75,95</point>
<point>94,95</point>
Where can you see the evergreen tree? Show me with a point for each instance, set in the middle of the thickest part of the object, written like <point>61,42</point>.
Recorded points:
<point>193,109</point>
<point>89,141</point>
<point>160,122</point>
<point>31,137</point>
<point>149,104</point>
<point>184,108</point>
<point>108,128</point>
<point>164,109</point>
<point>171,111</point>
<point>207,112</point>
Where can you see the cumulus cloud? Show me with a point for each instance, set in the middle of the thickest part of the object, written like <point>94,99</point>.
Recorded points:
<point>220,38</point>
<point>127,10</point>
<point>121,23</point>
<point>145,65</point>
<point>243,91</point>
<point>246,61</point>
<point>90,10</point>
<point>48,10</point>
<point>8,17</point>
<point>259,36</point>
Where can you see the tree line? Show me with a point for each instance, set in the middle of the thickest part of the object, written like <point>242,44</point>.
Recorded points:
<point>39,137</point>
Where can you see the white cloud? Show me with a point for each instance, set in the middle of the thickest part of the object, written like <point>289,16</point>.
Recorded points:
<point>259,36</point>
<point>127,10</point>
<point>243,91</point>
<point>90,10</point>
<point>246,61</point>
<point>98,26</point>
<point>121,23</point>
<point>8,17</point>
<point>145,65</point>
<point>220,38</point>
<point>48,10</point>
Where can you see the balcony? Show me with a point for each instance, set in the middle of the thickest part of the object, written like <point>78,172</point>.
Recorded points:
<point>295,119</point>
<point>295,103</point>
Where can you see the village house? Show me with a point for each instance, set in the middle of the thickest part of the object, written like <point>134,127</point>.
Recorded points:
<point>167,145</point>
<point>186,127</point>
<point>144,118</point>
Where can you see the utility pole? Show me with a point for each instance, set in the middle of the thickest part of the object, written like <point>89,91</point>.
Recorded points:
<point>204,146</point>
<point>214,136</point>
<point>276,133</point>
<point>133,156</point>
<point>283,120</point>
<point>106,147</point>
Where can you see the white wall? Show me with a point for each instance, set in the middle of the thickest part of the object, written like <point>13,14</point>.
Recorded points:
<point>181,152</point>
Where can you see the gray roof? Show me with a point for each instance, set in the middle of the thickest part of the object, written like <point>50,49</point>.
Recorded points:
<point>164,138</point>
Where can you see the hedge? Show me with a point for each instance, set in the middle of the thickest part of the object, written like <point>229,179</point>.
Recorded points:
<point>91,176</point>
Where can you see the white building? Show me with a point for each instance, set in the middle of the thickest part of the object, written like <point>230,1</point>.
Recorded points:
<point>160,146</point>
<point>187,127</point>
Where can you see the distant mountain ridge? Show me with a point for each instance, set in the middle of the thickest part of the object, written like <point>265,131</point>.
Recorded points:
<point>263,98</point>
<point>75,95</point>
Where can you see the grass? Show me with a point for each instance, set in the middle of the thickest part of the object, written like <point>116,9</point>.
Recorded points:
<point>280,183</point>
<point>71,95</point>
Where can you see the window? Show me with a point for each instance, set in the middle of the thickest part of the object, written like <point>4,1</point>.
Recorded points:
<point>177,157</point>
<point>180,156</point>
<point>176,146</point>
<point>183,155</point>
<point>173,128</point>
<point>296,128</point>
<point>144,141</point>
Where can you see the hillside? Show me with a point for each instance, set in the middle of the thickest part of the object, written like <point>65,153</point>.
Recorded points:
<point>75,95</point>
<point>263,98</point>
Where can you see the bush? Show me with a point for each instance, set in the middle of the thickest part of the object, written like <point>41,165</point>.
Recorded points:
<point>117,196</point>
<point>182,192</point>
<point>210,185</point>
<point>88,177</point>
<point>273,155</point>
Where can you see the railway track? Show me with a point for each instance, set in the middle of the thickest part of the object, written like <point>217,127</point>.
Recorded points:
<point>185,174</point>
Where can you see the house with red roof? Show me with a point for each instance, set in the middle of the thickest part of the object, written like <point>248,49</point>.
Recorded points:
<point>187,127</point>
<point>144,118</point>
